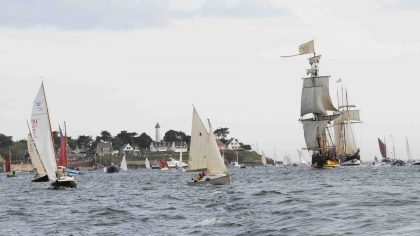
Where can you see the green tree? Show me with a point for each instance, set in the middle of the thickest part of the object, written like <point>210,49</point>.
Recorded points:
<point>221,133</point>
<point>245,146</point>
<point>84,141</point>
<point>5,143</point>
<point>126,137</point>
<point>106,136</point>
<point>143,141</point>
<point>172,136</point>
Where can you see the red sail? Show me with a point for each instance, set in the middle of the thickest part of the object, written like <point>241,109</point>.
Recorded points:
<point>163,164</point>
<point>62,160</point>
<point>7,163</point>
<point>382,147</point>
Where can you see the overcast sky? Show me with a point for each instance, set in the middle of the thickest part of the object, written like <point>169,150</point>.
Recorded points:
<point>125,65</point>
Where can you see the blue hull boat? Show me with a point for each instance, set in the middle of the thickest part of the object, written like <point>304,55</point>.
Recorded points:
<point>73,172</point>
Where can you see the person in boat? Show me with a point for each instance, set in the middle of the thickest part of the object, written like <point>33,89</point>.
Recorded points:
<point>201,175</point>
<point>14,172</point>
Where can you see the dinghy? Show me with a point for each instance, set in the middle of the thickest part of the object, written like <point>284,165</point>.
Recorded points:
<point>205,155</point>
<point>146,163</point>
<point>42,136</point>
<point>7,166</point>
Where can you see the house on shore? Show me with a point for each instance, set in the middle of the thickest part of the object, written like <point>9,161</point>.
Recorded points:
<point>128,150</point>
<point>233,144</point>
<point>104,149</point>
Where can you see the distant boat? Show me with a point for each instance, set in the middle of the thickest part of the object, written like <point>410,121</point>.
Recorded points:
<point>111,169</point>
<point>382,147</point>
<point>205,154</point>
<point>7,165</point>
<point>263,159</point>
<point>41,174</point>
<point>180,164</point>
<point>376,161</point>
<point>409,157</point>
<point>301,158</point>
<point>64,155</point>
<point>123,165</point>
<point>42,136</point>
<point>315,113</point>
<point>345,145</point>
<point>146,163</point>
<point>163,165</point>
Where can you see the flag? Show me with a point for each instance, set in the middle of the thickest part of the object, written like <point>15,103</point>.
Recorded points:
<point>307,48</point>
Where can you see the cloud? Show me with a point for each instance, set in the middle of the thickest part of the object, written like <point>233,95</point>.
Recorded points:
<point>123,14</point>
<point>81,14</point>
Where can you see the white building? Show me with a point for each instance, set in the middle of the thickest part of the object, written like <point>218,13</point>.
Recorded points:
<point>127,149</point>
<point>233,144</point>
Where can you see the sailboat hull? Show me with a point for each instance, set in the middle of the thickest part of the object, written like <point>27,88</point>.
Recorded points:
<point>38,178</point>
<point>416,163</point>
<point>211,179</point>
<point>353,160</point>
<point>64,182</point>
<point>321,162</point>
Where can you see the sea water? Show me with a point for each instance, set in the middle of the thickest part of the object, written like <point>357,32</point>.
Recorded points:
<point>362,200</point>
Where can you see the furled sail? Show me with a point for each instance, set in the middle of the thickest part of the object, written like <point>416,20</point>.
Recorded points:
<point>314,132</point>
<point>316,96</point>
<point>215,162</point>
<point>33,154</point>
<point>263,158</point>
<point>198,148</point>
<point>41,130</point>
<point>382,148</point>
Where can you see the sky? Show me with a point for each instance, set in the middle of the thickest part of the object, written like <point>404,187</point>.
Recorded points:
<point>127,64</point>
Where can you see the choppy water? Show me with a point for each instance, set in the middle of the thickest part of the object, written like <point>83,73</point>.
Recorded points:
<point>259,201</point>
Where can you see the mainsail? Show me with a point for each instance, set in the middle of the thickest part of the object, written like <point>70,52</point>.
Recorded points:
<point>63,158</point>
<point>263,158</point>
<point>215,162</point>
<point>198,148</point>
<point>7,166</point>
<point>33,154</point>
<point>316,96</point>
<point>41,130</point>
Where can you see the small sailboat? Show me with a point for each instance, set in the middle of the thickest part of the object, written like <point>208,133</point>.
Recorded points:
<point>409,157</point>
<point>64,155</point>
<point>7,166</point>
<point>41,175</point>
<point>147,164</point>
<point>123,165</point>
<point>180,164</point>
<point>112,168</point>
<point>345,143</point>
<point>42,136</point>
<point>315,113</point>
<point>263,159</point>
<point>163,165</point>
<point>376,161</point>
<point>205,155</point>
<point>302,158</point>
<point>384,153</point>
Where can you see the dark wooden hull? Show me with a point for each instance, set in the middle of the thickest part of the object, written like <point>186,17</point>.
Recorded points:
<point>112,169</point>
<point>64,184</point>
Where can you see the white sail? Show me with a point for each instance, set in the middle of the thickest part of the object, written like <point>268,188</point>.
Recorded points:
<point>215,162</point>
<point>352,115</point>
<point>263,158</point>
<point>147,164</point>
<point>123,164</point>
<point>180,160</point>
<point>316,96</point>
<point>41,130</point>
<point>33,154</point>
<point>301,158</point>
<point>350,147</point>
<point>314,131</point>
<point>198,148</point>
<point>409,157</point>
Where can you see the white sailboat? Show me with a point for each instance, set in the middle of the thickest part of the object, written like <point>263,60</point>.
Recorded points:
<point>205,154</point>
<point>42,136</point>
<point>263,158</point>
<point>41,174</point>
<point>302,158</point>
<point>180,164</point>
<point>147,163</point>
<point>123,165</point>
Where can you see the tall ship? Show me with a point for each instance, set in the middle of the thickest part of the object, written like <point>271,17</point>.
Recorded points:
<point>345,144</point>
<point>317,112</point>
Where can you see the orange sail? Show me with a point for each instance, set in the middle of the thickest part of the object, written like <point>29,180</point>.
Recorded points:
<point>7,163</point>
<point>62,160</point>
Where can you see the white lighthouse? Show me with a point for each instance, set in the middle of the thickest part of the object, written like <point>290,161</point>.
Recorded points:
<point>157,127</point>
